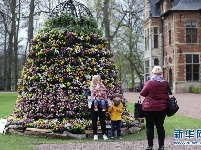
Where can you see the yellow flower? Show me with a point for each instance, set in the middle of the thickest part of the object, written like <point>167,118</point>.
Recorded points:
<point>56,76</point>
<point>80,59</point>
<point>30,95</point>
<point>95,70</point>
<point>88,82</point>
<point>18,100</point>
<point>93,61</point>
<point>110,85</point>
<point>75,34</point>
<point>36,46</point>
<point>68,83</point>
<point>68,70</point>
<point>50,75</point>
<point>77,47</point>
<point>61,79</point>
<point>60,35</point>
<point>87,38</point>
<point>32,78</point>
<point>44,67</point>
<point>115,66</point>
<point>81,72</point>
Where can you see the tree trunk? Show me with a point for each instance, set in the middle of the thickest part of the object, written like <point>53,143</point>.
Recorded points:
<point>106,21</point>
<point>10,45</point>
<point>132,76</point>
<point>31,15</point>
<point>16,68</point>
<point>5,62</point>
<point>16,62</point>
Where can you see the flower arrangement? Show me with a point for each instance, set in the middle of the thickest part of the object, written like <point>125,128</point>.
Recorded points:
<point>53,83</point>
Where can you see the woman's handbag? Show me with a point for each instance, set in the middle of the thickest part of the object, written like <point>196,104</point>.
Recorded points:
<point>172,106</point>
<point>138,112</point>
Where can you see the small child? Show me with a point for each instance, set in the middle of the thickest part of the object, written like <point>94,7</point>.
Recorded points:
<point>116,110</point>
<point>100,97</point>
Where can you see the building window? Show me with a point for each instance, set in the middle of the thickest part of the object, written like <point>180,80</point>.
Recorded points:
<point>1,17</point>
<point>156,62</point>
<point>155,37</point>
<point>169,33</point>
<point>146,66</point>
<point>147,39</point>
<point>147,70</point>
<point>192,67</point>
<point>191,31</point>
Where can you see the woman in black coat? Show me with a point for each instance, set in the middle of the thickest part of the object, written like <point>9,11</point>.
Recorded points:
<point>95,114</point>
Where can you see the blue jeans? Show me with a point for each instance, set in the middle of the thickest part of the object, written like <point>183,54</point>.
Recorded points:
<point>115,125</point>
<point>101,102</point>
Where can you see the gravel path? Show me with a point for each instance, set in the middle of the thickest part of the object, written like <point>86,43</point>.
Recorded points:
<point>189,106</point>
<point>122,145</point>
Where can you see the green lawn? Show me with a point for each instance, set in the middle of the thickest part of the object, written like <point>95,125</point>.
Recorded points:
<point>18,142</point>
<point>7,102</point>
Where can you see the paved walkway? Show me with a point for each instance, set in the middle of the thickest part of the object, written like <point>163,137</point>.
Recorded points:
<point>189,103</point>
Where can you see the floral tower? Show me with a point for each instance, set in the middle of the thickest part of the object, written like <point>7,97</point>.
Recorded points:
<point>64,56</point>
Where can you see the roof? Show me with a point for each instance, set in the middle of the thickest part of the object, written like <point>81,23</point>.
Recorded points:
<point>175,2</point>
<point>154,9</point>
<point>187,5</point>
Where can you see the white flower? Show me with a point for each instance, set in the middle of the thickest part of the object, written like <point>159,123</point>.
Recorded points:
<point>62,85</point>
<point>69,48</point>
<point>101,60</point>
<point>88,77</point>
<point>39,74</point>
<point>30,88</point>
<point>81,38</point>
<point>45,73</point>
<point>68,125</point>
<point>24,94</point>
<point>78,82</point>
<point>56,52</point>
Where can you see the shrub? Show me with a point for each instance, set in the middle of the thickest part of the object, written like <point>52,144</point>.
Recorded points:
<point>195,89</point>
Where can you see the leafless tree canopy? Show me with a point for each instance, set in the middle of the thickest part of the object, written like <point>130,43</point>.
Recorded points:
<point>121,23</point>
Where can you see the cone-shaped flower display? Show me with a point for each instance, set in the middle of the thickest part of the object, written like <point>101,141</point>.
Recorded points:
<point>52,89</point>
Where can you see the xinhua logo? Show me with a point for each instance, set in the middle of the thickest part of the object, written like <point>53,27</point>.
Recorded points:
<point>187,137</point>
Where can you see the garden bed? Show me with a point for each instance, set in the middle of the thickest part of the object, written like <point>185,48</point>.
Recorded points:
<point>48,133</point>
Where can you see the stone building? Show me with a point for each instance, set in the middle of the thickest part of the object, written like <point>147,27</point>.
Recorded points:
<point>172,35</point>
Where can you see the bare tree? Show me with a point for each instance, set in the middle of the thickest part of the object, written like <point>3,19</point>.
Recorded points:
<point>109,15</point>
<point>130,37</point>
<point>15,63</point>
<point>15,22</point>
<point>31,17</point>
<point>106,21</point>
<point>10,44</point>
